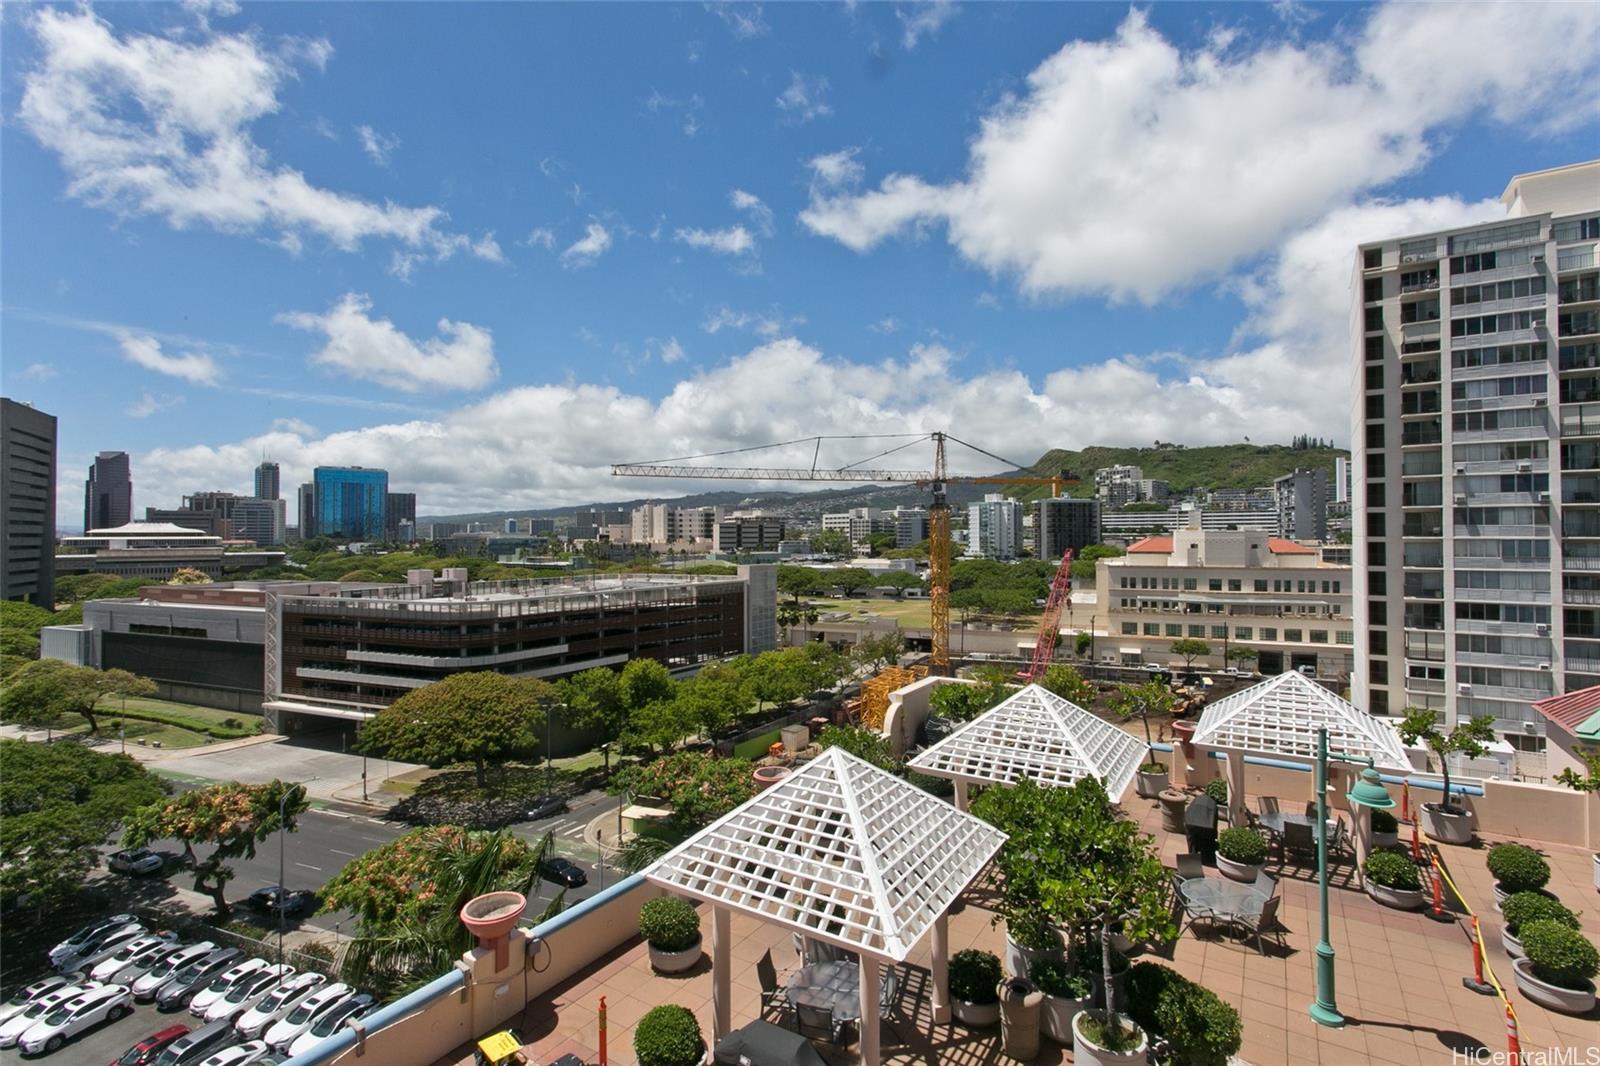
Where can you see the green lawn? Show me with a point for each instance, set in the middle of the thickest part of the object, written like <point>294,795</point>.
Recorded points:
<point>911,614</point>
<point>151,733</point>
<point>209,715</point>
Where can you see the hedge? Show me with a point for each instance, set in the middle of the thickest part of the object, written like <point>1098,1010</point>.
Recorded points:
<point>251,727</point>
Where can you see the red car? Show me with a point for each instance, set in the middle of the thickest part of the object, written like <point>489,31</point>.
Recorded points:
<point>145,1051</point>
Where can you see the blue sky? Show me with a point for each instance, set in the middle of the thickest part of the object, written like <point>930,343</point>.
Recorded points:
<point>497,247</point>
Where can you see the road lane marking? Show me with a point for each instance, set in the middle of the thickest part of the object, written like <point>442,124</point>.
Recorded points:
<point>348,854</point>
<point>308,866</point>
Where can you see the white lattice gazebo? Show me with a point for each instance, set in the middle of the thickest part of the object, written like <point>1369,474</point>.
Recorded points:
<point>1034,733</point>
<point>839,851</point>
<point>1279,718</point>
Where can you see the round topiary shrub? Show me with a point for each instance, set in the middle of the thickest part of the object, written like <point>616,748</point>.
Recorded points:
<point>974,976</point>
<point>1524,908</point>
<point>1560,956</point>
<point>668,1036</point>
<point>1198,1026</point>
<point>669,924</point>
<point>1392,870</point>
<point>1384,822</point>
<point>1518,868</point>
<point>1218,790</point>
<point>1241,845</point>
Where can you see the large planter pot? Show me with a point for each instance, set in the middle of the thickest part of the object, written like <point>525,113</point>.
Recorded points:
<point>976,1015</point>
<point>1018,960</point>
<point>1402,899</point>
<point>1056,1017</point>
<point>1453,826</point>
<point>1385,840</point>
<point>676,961</point>
<point>1087,1053</point>
<point>1149,786</point>
<point>1173,803</point>
<point>1238,871</point>
<point>767,776</point>
<point>1565,1000</point>
<point>490,918</point>
<point>1509,941</point>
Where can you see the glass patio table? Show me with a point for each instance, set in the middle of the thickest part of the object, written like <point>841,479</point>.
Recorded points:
<point>1220,898</point>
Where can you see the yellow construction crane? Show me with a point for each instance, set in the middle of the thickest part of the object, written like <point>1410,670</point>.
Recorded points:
<point>934,479</point>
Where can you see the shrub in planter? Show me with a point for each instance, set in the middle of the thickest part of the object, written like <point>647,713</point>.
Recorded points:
<point>1518,868</point>
<point>668,1036</point>
<point>1066,992</point>
<point>1199,1028</point>
<point>1384,822</point>
<point>1218,790</point>
<point>1392,870</point>
<point>669,924</point>
<point>1524,908</point>
<point>1154,766</point>
<point>1244,846</point>
<point>1560,956</point>
<point>974,976</point>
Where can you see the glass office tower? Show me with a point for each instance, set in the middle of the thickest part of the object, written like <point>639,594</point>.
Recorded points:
<point>350,502</point>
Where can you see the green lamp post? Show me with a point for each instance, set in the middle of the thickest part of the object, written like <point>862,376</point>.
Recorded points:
<point>1368,792</point>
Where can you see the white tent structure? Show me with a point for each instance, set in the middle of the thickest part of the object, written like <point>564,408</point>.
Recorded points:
<point>1034,733</point>
<point>1279,718</point>
<point>842,852</point>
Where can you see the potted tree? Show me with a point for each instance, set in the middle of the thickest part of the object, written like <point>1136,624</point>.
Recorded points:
<point>1218,791</point>
<point>1589,781</point>
<point>1192,1025</point>
<point>1559,968</point>
<point>1241,853</point>
<point>668,1035</point>
<point>1524,908</point>
<point>974,982</point>
<point>1447,821</point>
<point>1385,829</point>
<point>671,927</point>
<point>1066,992</point>
<point>1516,868</point>
<point>1142,701</point>
<point>1391,879</point>
<point>1029,938</point>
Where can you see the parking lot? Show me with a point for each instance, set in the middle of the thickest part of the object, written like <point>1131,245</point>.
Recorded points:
<point>108,1040</point>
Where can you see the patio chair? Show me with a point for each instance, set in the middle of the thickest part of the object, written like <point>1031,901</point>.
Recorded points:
<point>1297,837</point>
<point>1190,865</point>
<point>1263,924</point>
<point>1266,884</point>
<point>773,996</point>
<point>1268,804</point>
<point>815,1023</point>
<point>889,990</point>
<point>1339,838</point>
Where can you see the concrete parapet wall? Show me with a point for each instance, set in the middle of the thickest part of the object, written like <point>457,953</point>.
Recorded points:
<point>909,708</point>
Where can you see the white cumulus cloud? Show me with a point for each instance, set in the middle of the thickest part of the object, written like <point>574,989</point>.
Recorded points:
<point>360,346</point>
<point>588,248</point>
<point>197,368</point>
<point>734,240</point>
<point>751,204</point>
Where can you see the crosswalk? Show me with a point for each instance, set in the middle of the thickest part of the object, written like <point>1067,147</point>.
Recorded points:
<point>570,828</point>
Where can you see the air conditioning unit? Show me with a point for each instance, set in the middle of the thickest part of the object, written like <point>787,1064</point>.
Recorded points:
<point>1530,728</point>
<point>1544,666</point>
<point>1461,468</point>
<point>1541,401</point>
<point>1461,497</point>
<point>1544,497</point>
<point>1542,629</point>
<point>1463,689</point>
<point>1525,465</point>
<point>1536,257</point>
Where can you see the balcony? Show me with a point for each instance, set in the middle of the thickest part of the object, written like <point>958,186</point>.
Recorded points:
<point>1580,597</point>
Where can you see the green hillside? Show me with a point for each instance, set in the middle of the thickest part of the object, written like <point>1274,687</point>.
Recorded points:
<point>1225,466</point>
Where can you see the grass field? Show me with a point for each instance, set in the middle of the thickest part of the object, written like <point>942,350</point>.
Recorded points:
<point>911,614</point>
<point>209,715</point>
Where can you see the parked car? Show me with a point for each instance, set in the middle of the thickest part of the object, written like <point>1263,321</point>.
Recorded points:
<point>146,987</point>
<point>189,1050</point>
<point>145,1051</point>
<point>281,1033</point>
<point>129,975</point>
<point>293,902</point>
<point>223,983</point>
<point>176,993</point>
<point>546,807</point>
<point>350,1007</point>
<point>88,932</point>
<point>562,872</point>
<point>96,948</point>
<point>248,993</point>
<point>104,1004</point>
<point>130,953</point>
<point>246,1054</point>
<point>39,1009</point>
<point>136,861</point>
<point>23,997</point>
<point>253,1022</point>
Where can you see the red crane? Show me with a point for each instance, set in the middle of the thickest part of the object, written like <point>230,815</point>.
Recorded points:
<point>1050,625</point>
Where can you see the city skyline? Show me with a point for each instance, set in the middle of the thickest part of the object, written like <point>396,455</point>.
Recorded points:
<point>844,226</point>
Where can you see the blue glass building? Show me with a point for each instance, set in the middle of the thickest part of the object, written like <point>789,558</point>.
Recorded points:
<point>350,502</point>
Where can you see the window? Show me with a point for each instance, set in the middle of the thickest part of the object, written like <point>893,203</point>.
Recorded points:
<point>1378,670</point>
<point>1372,259</point>
<point>1151,629</point>
<point>1214,584</point>
<point>1319,636</point>
<point>1377,555</point>
<point>1378,700</point>
<point>1377,582</point>
<point>1190,584</point>
<point>1375,377</point>
<point>1375,435</point>
<point>1261,584</point>
<point>1235,585</point>
<point>1242,633</point>
<point>1578,229</point>
<point>1130,628</point>
<point>1419,311</point>
<point>1494,237</point>
<point>1372,290</point>
<point>1378,642</point>
<point>1499,355</point>
<point>1198,632</point>
<point>1374,346</point>
<point>1420,248</point>
<point>1344,636</point>
<point>1374,406</point>
<point>1374,466</point>
<point>1373,320</point>
<point>1292,636</point>
<point>1269,633</point>
<point>1174,630</point>
<point>1477,325</point>
<point>1514,289</point>
<point>1219,632</point>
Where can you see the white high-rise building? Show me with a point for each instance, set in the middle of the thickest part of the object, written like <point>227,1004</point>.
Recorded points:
<point>994,527</point>
<point>1476,440</point>
<point>1341,480</point>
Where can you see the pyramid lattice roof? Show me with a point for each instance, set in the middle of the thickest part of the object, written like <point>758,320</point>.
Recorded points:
<point>840,851</point>
<point>1035,733</point>
<point>1281,715</point>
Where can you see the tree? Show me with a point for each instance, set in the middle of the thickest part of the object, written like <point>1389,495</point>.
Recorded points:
<point>830,542</point>
<point>231,816</point>
<point>698,788</point>
<point>1083,643</point>
<point>475,717</point>
<point>1589,781</point>
<point>1085,563</point>
<point>1142,701</point>
<point>1066,682</point>
<point>594,702</point>
<point>878,543</point>
<point>797,581</point>
<point>864,744</point>
<point>875,653</point>
<point>1191,650</point>
<point>1469,738</point>
<point>58,803</point>
<point>659,725</point>
<point>43,691</point>
<point>1239,653</point>
<point>188,575</point>
<point>788,617</point>
<point>645,681</point>
<point>713,698</point>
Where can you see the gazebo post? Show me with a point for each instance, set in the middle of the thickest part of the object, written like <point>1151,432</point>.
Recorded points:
<point>941,969</point>
<point>961,794</point>
<point>1236,808</point>
<point>869,1010</point>
<point>721,973</point>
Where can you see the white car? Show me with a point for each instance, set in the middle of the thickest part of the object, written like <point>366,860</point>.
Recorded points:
<point>146,987</point>
<point>130,953</point>
<point>329,1023</point>
<point>222,984</point>
<point>23,998</point>
<point>253,1022</point>
<point>238,1055</point>
<point>71,945</point>
<point>97,947</point>
<point>131,972</point>
<point>248,992</point>
<point>281,1033</point>
<point>106,1003</point>
<point>20,1023</point>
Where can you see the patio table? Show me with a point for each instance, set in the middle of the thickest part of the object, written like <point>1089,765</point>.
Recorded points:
<point>1220,898</point>
<point>1274,823</point>
<point>830,986</point>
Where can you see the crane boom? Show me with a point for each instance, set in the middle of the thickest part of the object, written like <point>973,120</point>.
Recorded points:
<point>1050,623</point>
<point>767,473</point>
